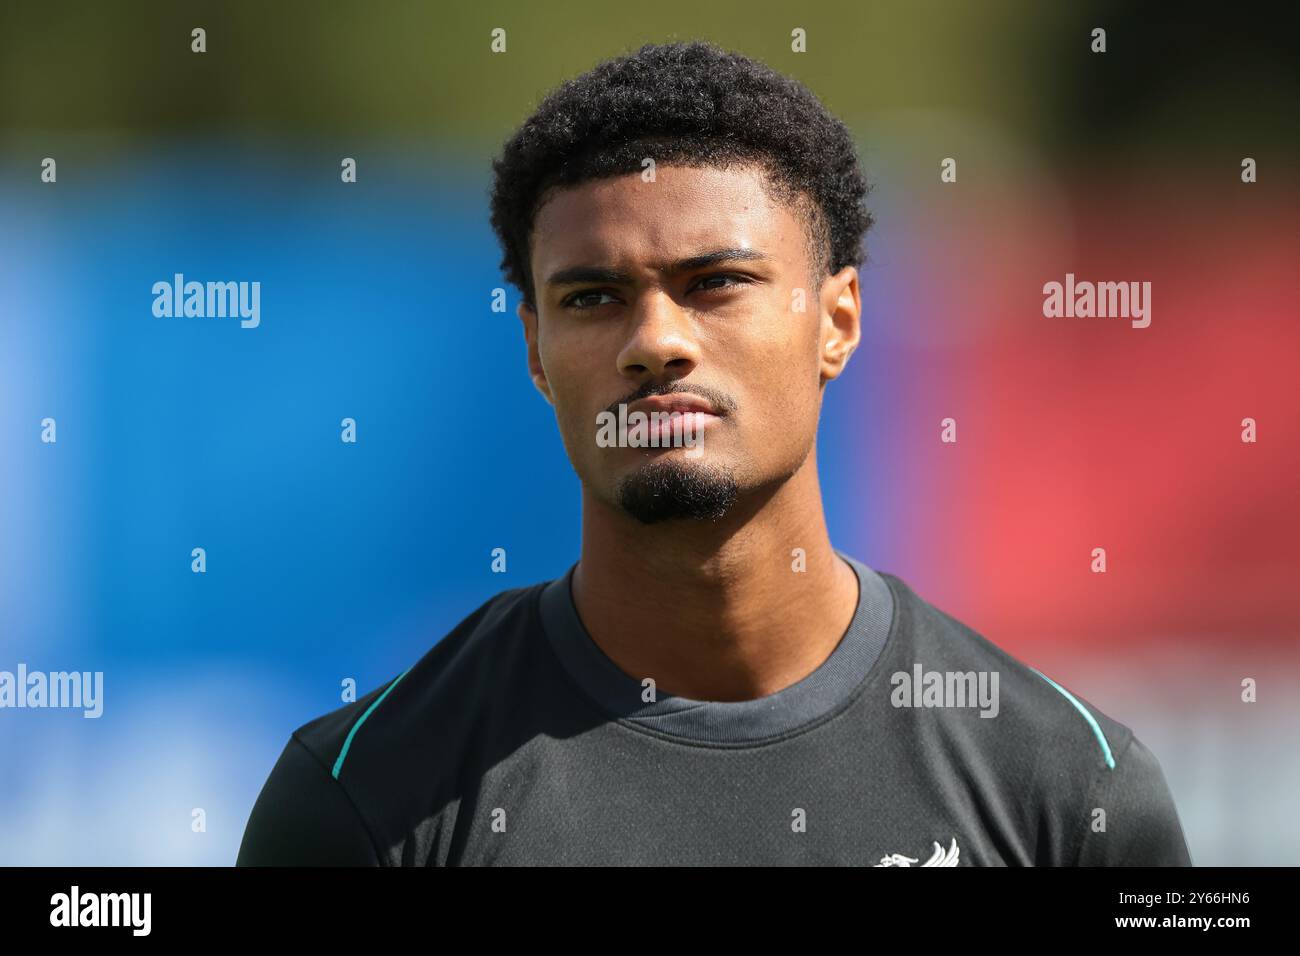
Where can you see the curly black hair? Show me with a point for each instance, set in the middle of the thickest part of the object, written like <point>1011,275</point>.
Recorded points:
<point>684,103</point>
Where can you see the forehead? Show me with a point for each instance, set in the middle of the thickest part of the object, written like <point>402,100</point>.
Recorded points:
<point>685,210</point>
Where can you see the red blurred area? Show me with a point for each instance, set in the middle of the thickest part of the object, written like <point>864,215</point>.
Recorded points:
<point>1077,433</point>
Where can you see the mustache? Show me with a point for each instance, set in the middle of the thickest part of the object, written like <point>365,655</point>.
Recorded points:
<point>723,402</point>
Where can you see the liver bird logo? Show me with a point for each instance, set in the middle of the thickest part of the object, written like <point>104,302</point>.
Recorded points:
<point>940,857</point>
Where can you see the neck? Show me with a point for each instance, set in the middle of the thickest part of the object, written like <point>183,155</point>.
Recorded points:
<point>716,610</point>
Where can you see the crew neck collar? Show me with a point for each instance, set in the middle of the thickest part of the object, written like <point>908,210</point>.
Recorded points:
<point>723,722</point>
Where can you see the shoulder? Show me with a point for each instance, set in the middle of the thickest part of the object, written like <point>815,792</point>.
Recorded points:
<point>1053,750</point>
<point>488,648</point>
<point>1034,708</point>
<point>408,728</point>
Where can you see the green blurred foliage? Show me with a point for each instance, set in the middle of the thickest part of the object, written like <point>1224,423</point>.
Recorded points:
<point>417,68</point>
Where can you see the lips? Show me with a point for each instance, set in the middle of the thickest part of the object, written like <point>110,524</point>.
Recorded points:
<point>673,403</point>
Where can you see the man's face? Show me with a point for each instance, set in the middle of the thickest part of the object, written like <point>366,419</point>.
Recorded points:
<point>751,337</point>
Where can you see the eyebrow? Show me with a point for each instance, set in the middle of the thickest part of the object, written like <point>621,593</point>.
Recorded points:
<point>576,274</point>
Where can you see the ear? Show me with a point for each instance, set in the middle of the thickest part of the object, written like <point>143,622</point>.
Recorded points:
<point>528,317</point>
<point>841,322</point>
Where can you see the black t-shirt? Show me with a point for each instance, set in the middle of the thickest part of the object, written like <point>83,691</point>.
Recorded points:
<point>516,740</point>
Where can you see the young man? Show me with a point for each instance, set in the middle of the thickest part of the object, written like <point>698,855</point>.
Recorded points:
<point>712,682</point>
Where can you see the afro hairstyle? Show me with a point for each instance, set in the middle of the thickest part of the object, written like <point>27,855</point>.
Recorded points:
<point>689,104</point>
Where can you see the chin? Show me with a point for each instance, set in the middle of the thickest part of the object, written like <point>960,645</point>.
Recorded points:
<point>673,487</point>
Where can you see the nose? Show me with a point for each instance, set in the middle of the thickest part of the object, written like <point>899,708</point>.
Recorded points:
<point>661,341</point>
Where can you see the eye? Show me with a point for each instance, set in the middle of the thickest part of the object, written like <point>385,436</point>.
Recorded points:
<point>576,301</point>
<point>572,301</point>
<point>740,279</point>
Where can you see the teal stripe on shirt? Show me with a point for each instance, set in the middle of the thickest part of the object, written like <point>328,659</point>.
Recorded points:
<point>338,764</point>
<point>1092,721</point>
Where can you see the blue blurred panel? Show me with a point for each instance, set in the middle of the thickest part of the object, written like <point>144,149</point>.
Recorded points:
<point>325,560</point>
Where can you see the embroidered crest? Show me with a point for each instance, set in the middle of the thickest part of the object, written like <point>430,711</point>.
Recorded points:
<point>940,857</point>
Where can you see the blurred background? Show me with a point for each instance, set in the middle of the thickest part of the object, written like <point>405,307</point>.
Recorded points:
<point>328,560</point>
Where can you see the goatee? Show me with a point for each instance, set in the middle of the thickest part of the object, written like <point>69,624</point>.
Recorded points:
<point>669,488</point>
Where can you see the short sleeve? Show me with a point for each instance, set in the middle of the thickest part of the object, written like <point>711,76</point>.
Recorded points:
<point>303,817</point>
<point>1141,822</point>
